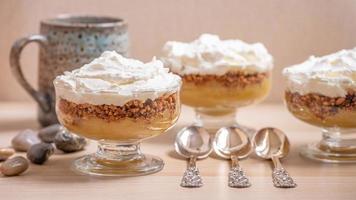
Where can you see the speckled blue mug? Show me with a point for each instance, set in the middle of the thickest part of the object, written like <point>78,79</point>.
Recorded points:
<point>66,43</point>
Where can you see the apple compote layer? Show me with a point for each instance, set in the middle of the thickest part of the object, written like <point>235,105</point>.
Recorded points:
<point>132,121</point>
<point>226,91</point>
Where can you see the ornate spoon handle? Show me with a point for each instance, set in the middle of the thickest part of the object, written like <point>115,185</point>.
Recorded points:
<point>237,177</point>
<point>191,177</point>
<point>280,176</point>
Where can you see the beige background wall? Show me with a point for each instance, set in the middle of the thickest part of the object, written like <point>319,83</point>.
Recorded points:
<point>291,29</point>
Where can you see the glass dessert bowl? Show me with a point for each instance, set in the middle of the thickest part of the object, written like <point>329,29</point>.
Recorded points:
<point>118,102</point>
<point>219,76</point>
<point>322,92</point>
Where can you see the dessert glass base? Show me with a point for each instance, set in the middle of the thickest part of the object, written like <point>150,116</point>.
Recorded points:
<point>115,159</point>
<point>337,146</point>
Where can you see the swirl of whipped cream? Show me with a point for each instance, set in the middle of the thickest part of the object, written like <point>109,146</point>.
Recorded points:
<point>210,55</point>
<point>114,80</point>
<point>331,75</point>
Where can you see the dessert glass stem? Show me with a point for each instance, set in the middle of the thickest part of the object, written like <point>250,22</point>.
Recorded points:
<point>111,151</point>
<point>336,146</point>
<point>212,123</point>
<point>337,139</point>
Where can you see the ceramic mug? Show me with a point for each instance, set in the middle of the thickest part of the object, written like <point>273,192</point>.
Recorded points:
<point>66,43</point>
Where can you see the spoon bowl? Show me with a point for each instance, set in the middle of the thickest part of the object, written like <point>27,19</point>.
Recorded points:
<point>232,141</point>
<point>269,142</point>
<point>193,141</point>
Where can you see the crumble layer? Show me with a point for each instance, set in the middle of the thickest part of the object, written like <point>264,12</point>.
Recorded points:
<point>134,109</point>
<point>230,79</point>
<point>323,110</point>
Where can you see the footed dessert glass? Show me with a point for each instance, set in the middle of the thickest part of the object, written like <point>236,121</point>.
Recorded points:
<point>336,116</point>
<point>219,76</point>
<point>322,93</point>
<point>119,131</point>
<point>118,102</point>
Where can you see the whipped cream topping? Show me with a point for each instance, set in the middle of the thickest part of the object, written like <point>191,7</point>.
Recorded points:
<point>210,55</point>
<point>114,79</point>
<point>331,75</point>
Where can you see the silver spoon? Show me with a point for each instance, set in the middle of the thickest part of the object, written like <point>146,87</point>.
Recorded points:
<point>272,143</point>
<point>233,143</point>
<point>193,142</point>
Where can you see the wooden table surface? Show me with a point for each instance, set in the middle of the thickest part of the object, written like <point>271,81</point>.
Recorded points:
<point>55,180</point>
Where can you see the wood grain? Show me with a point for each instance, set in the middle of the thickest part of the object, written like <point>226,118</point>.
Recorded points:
<point>55,180</point>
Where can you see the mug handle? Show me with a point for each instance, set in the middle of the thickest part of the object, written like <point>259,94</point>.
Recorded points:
<point>15,65</point>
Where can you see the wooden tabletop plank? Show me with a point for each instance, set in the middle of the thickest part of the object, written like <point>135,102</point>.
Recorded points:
<point>56,180</point>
